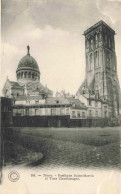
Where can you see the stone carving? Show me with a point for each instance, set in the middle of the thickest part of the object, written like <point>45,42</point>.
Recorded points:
<point>28,48</point>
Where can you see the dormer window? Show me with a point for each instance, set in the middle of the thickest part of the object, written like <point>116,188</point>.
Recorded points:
<point>57,101</point>
<point>36,101</point>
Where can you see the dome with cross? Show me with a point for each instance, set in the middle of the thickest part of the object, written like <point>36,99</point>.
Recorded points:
<point>28,69</point>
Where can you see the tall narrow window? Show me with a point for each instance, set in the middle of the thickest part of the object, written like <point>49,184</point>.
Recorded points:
<point>46,111</point>
<point>96,59</point>
<point>105,39</point>
<point>78,114</point>
<point>87,44</point>
<point>91,44</point>
<point>62,111</point>
<point>27,111</point>
<point>36,111</point>
<point>53,111</point>
<point>96,41</point>
<point>22,75</point>
<point>29,74</point>
<point>109,43</point>
<point>73,114</point>
<point>90,68</point>
<point>67,111</point>
<point>83,114</point>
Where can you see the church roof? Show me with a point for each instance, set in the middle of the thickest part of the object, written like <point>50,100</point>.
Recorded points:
<point>37,87</point>
<point>31,87</point>
<point>15,84</point>
<point>100,23</point>
<point>28,62</point>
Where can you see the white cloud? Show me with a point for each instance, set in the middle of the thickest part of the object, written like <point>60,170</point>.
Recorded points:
<point>37,33</point>
<point>9,50</point>
<point>53,31</point>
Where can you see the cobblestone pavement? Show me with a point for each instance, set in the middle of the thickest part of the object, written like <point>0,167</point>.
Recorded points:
<point>72,147</point>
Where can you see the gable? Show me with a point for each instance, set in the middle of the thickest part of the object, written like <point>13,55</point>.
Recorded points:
<point>7,86</point>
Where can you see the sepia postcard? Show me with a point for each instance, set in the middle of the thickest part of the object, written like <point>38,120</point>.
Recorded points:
<point>60,97</point>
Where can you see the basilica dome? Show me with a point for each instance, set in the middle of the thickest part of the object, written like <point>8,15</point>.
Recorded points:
<point>28,62</point>
<point>27,69</point>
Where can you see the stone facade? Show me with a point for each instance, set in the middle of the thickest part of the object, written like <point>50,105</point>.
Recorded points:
<point>101,67</point>
<point>54,106</point>
<point>28,81</point>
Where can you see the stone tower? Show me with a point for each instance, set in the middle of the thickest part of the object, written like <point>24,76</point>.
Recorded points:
<point>101,67</point>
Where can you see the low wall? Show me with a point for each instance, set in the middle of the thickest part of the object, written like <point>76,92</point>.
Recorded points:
<point>41,121</point>
<point>89,122</point>
<point>58,121</point>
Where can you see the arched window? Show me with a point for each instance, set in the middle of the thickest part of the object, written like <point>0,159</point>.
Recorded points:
<point>91,44</point>
<point>22,75</point>
<point>106,39</point>
<point>109,43</point>
<point>108,60</point>
<point>96,59</point>
<point>29,75</point>
<point>100,37</point>
<point>33,76</point>
<point>87,44</point>
<point>96,41</point>
<point>25,74</point>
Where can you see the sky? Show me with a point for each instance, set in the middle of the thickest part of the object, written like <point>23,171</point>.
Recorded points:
<point>54,31</point>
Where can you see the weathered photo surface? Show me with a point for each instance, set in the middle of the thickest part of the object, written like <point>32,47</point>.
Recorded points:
<point>60,97</point>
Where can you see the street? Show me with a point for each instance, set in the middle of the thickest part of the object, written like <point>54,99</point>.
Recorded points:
<point>69,147</point>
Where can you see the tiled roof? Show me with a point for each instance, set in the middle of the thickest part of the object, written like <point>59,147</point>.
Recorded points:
<point>37,86</point>
<point>23,98</point>
<point>32,86</point>
<point>76,103</point>
<point>57,100</point>
<point>15,84</point>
